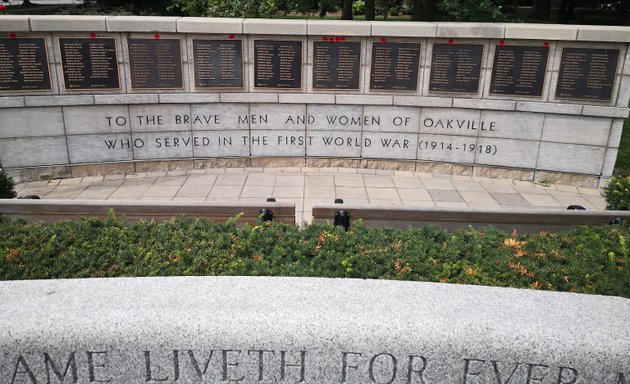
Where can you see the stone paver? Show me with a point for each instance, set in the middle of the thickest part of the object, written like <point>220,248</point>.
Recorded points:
<point>257,191</point>
<point>206,180</point>
<point>290,180</point>
<point>233,191</point>
<point>451,204</point>
<point>230,179</point>
<point>171,180</point>
<point>445,196</point>
<point>189,199</point>
<point>261,179</point>
<point>194,191</point>
<point>319,180</point>
<point>566,199</point>
<point>407,182</point>
<point>162,191</point>
<point>72,181</point>
<point>378,181</point>
<point>414,194</point>
<point>97,192</point>
<point>66,191</point>
<point>129,191</point>
<point>499,188</point>
<point>290,191</point>
<point>382,194</point>
<point>509,199</point>
<point>319,192</point>
<point>351,192</point>
<point>597,201</point>
<point>479,198</point>
<point>541,200</point>
<point>306,186</point>
<point>349,180</point>
<point>468,185</point>
<point>436,183</point>
<point>38,191</point>
<point>139,181</point>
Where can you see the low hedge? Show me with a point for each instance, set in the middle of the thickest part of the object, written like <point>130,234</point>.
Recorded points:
<point>584,259</point>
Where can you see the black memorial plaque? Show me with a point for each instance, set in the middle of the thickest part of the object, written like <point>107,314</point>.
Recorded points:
<point>336,65</point>
<point>89,63</point>
<point>24,64</point>
<point>277,64</point>
<point>218,63</point>
<point>587,73</point>
<point>519,70</point>
<point>455,68</point>
<point>155,63</point>
<point>395,66</point>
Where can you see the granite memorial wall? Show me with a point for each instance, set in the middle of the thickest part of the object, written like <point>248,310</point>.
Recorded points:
<point>96,94</point>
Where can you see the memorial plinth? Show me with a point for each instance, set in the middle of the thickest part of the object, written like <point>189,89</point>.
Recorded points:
<point>306,330</point>
<point>494,100</point>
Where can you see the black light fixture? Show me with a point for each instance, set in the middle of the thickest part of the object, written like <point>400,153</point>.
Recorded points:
<point>338,201</point>
<point>271,199</point>
<point>616,221</point>
<point>342,218</point>
<point>29,197</point>
<point>265,214</point>
<point>575,207</point>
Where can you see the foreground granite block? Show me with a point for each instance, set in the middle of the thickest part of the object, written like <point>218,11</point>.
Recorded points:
<point>275,330</point>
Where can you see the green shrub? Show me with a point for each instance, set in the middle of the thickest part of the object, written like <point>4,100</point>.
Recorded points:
<point>358,8</point>
<point>6,186</point>
<point>584,259</point>
<point>617,193</point>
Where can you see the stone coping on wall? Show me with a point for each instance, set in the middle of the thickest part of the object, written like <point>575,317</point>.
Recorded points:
<point>282,98</point>
<point>55,23</point>
<point>307,330</point>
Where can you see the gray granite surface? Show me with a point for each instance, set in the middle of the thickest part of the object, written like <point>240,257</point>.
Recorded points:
<point>275,330</point>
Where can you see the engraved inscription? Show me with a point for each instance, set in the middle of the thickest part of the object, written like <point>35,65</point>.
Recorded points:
<point>482,371</point>
<point>455,68</point>
<point>277,64</point>
<point>155,63</point>
<point>89,63</point>
<point>218,63</point>
<point>519,70</point>
<point>395,66</point>
<point>336,65</point>
<point>249,365</point>
<point>587,74</point>
<point>23,64</point>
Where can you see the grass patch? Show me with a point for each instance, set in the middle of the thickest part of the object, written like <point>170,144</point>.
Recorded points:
<point>585,259</point>
<point>622,166</point>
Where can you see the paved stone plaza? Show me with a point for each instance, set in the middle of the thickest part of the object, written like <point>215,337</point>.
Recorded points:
<point>308,186</point>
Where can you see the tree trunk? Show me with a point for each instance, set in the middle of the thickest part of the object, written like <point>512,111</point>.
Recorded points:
<point>565,12</point>
<point>541,9</point>
<point>346,11</point>
<point>369,10</point>
<point>623,13</point>
<point>423,10</point>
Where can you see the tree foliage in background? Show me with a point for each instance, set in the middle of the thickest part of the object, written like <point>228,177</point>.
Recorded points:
<point>225,8</point>
<point>617,193</point>
<point>470,10</point>
<point>6,186</point>
<point>421,10</point>
<point>132,7</point>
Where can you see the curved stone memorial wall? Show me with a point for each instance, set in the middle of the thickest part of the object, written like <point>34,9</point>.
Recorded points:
<point>96,94</point>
